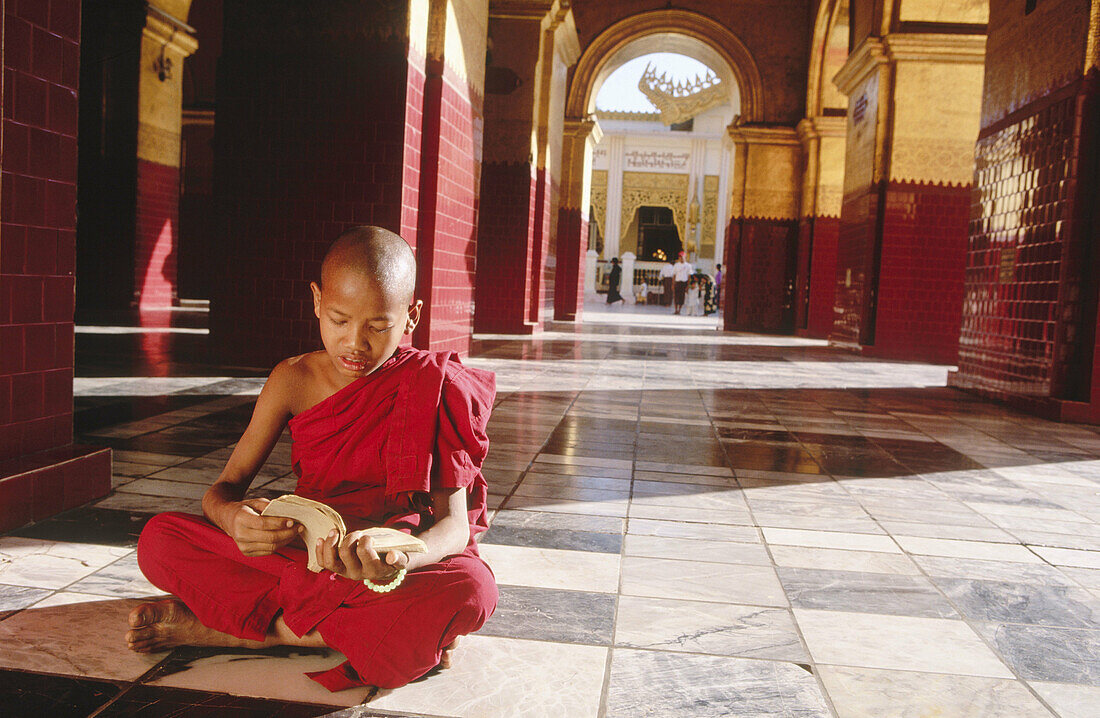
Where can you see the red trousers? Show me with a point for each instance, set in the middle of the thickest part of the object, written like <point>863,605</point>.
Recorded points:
<point>389,639</point>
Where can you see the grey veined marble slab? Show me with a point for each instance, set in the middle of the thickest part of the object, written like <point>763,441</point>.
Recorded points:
<point>1042,653</point>
<point>655,684</point>
<point>883,593</point>
<point>702,627</point>
<point>1023,603</point>
<point>551,615</point>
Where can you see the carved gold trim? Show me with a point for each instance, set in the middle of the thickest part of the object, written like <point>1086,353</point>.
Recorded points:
<point>155,144</point>
<point>655,189</point>
<point>710,214</point>
<point>599,198</point>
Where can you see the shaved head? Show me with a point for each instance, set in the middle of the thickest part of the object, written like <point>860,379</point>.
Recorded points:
<point>378,255</point>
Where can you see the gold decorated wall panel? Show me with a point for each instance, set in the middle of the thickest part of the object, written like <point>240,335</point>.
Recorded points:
<point>937,111</point>
<point>859,160</point>
<point>710,216</point>
<point>773,179</point>
<point>970,12</point>
<point>830,189</point>
<point>599,198</point>
<point>657,190</point>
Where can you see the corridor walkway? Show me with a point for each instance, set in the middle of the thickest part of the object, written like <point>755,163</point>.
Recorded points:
<point>687,523</point>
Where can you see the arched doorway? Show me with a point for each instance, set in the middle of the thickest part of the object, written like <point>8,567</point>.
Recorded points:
<point>674,31</point>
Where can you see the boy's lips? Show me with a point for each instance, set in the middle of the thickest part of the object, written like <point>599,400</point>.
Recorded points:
<point>353,363</point>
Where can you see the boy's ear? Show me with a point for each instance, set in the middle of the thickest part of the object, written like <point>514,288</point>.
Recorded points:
<point>414,316</point>
<point>316,299</point>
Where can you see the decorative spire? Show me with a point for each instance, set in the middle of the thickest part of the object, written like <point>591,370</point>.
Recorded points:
<point>681,100</point>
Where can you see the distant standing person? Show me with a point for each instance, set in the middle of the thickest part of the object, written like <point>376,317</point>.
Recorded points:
<point>613,281</point>
<point>666,284</point>
<point>718,287</point>
<point>681,272</point>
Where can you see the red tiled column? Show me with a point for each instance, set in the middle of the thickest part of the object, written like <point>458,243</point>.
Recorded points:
<point>41,472</point>
<point>572,243</point>
<point>1029,324</point>
<point>912,119</point>
<point>450,173</point>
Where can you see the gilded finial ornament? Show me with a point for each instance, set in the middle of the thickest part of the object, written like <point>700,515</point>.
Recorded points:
<point>680,100</point>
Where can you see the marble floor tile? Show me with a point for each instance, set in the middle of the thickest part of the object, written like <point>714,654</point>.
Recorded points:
<point>934,645</point>
<point>559,521</point>
<point>158,701</point>
<point>553,568</point>
<point>967,549</point>
<point>882,593</point>
<point>692,530</point>
<point>495,676</point>
<point>843,560</point>
<point>736,516</point>
<point>277,673</point>
<point>575,482</point>
<point>75,639</point>
<point>690,469</point>
<point>174,489</point>
<point>616,507</point>
<point>51,564</point>
<point>571,493</point>
<point>715,628</point>
<point>830,539</point>
<point>873,693</point>
<point>545,614</point>
<point>1087,577</point>
<point>13,598</point>
<point>584,461</point>
<point>979,569</point>
<point>1069,557</point>
<point>1043,653</point>
<point>664,478</point>
<point>1034,604</point>
<point>696,580</point>
<point>33,694</point>
<point>552,538</point>
<point>140,503</point>
<point>1068,700</point>
<point>655,684</point>
<point>696,550</point>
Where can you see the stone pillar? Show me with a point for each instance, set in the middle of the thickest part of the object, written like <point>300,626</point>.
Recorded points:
<point>326,120</point>
<point>613,229</point>
<point>532,45</point>
<point>822,140</point>
<point>762,235</point>
<point>913,115</point>
<point>579,139</point>
<point>41,471</point>
<point>723,210</point>
<point>589,279</point>
<point>166,41</point>
<point>626,287</point>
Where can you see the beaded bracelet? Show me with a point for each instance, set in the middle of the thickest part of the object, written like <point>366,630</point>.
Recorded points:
<point>387,587</point>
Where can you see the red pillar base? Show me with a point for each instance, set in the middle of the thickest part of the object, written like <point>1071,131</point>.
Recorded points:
<point>37,486</point>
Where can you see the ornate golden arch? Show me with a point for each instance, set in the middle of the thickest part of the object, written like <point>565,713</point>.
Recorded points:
<point>663,22</point>
<point>827,15</point>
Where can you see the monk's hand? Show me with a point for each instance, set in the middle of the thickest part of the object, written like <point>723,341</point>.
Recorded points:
<point>258,535</point>
<point>356,559</point>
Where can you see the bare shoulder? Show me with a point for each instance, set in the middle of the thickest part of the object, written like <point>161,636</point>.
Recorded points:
<point>299,382</point>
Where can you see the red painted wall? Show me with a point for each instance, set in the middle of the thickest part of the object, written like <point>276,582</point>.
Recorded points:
<point>761,261</point>
<point>41,472</point>
<point>505,225</point>
<point>823,265</point>
<point>572,246</point>
<point>920,287</point>
<point>157,236</point>
<point>855,267</point>
<point>317,130</point>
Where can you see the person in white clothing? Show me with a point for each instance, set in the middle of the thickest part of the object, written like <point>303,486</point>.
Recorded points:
<point>681,271</point>
<point>692,306</point>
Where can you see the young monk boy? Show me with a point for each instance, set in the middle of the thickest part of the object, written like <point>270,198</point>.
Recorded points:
<point>386,435</point>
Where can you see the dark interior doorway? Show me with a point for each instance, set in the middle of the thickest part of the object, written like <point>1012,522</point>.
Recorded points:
<point>658,236</point>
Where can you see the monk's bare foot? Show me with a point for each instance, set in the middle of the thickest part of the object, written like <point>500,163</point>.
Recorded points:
<point>448,654</point>
<point>160,625</point>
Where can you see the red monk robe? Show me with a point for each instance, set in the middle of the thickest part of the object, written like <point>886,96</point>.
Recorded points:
<point>372,451</point>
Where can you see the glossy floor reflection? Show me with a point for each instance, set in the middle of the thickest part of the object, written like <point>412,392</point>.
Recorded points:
<point>686,523</point>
